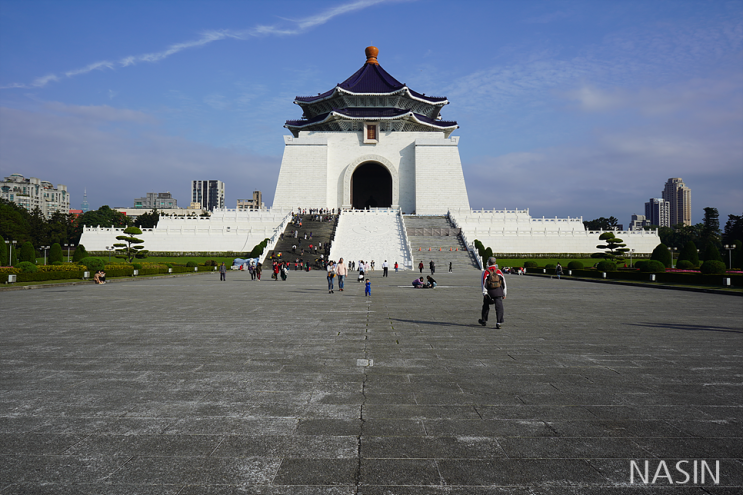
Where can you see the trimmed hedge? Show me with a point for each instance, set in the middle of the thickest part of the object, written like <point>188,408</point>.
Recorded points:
<point>93,264</point>
<point>606,266</point>
<point>685,265</point>
<point>575,265</point>
<point>653,266</point>
<point>664,277</point>
<point>27,267</point>
<point>712,267</point>
<point>531,264</point>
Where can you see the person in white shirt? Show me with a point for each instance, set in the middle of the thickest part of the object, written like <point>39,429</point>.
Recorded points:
<point>385,268</point>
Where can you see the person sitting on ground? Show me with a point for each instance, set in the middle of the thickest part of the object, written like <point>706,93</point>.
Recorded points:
<point>430,282</point>
<point>99,277</point>
<point>418,283</point>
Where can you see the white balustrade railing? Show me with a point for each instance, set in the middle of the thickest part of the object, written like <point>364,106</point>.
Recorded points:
<point>406,239</point>
<point>469,245</point>
<point>275,237</point>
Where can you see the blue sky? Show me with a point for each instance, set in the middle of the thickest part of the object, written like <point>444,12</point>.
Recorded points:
<point>566,108</point>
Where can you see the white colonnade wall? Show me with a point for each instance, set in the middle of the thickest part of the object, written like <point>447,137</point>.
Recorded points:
<point>377,234</point>
<point>226,230</point>
<point>515,231</point>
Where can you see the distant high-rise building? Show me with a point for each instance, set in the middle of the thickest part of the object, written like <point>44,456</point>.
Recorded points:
<point>33,193</point>
<point>84,206</point>
<point>679,196</point>
<point>251,204</point>
<point>658,212</point>
<point>158,201</point>
<point>638,222</point>
<point>208,193</point>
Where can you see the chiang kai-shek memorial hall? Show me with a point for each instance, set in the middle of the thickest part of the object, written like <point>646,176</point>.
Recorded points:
<point>371,141</point>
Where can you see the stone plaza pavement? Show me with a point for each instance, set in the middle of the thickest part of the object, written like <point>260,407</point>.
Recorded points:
<point>191,386</point>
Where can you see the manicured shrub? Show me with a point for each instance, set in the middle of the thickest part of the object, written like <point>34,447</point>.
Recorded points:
<point>486,255</point>
<point>662,254</point>
<point>79,254</point>
<point>640,265</point>
<point>191,264</point>
<point>531,264</point>
<point>550,266</point>
<point>93,264</point>
<point>27,253</point>
<point>713,267</point>
<point>480,248</point>
<point>28,267</point>
<point>653,266</point>
<point>575,265</point>
<point>711,253</point>
<point>606,266</point>
<point>57,263</point>
<point>688,253</point>
<point>55,253</point>
<point>258,249</point>
<point>685,265</point>
<point>137,266</point>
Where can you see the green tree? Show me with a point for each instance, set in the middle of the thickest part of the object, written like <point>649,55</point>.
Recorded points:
<point>711,226</point>
<point>601,223</point>
<point>102,217</point>
<point>738,255</point>
<point>733,229</point>
<point>662,254</point>
<point>28,253</point>
<point>711,253</point>
<point>14,222</point>
<point>55,253</point>
<point>80,253</point>
<point>4,261</point>
<point>614,247</point>
<point>147,220</point>
<point>130,248</point>
<point>689,253</point>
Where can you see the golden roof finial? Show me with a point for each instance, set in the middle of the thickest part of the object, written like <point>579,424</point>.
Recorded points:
<point>371,55</point>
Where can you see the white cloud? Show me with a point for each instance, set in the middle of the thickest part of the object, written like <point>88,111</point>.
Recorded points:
<point>301,26</point>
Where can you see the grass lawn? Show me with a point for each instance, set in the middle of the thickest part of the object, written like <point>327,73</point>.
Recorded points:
<point>542,262</point>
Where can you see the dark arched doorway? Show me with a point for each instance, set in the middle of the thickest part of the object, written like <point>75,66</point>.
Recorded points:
<point>371,186</point>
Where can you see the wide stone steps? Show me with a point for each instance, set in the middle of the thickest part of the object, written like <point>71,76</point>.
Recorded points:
<point>321,233</point>
<point>443,247</point>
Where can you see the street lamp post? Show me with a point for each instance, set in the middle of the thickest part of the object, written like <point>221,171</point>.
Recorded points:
<point>630,257</point>
<point>673,252</point>
<point>68,251</point>
<point>109,249</point>
<point>10,255</point>
<point>730,248</point>
<point>44,248</point>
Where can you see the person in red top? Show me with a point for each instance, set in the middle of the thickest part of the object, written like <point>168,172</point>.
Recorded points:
<point>494,291</point>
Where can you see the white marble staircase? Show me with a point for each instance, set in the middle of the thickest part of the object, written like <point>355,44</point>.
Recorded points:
<point>371,235</point>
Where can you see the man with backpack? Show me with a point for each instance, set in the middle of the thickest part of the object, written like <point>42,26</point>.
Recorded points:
<point>493,292</point>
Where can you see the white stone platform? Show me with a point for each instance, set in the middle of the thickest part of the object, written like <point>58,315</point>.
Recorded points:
<point>372,235</point>
<point>515,231</point>
<point>226,230</point>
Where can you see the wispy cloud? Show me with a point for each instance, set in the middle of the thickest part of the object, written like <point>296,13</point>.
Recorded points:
<point>296,27</point>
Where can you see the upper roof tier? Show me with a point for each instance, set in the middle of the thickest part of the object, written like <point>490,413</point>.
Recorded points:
<point>384,98</point>
<point>372,79</point>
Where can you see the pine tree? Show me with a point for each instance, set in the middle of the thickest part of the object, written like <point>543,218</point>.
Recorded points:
<point>130,248</point>
<point>28,253</point>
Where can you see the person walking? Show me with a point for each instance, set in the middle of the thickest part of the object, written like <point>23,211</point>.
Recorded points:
<point>558,271</point>
<point>385,268</point>
<point>341,271</point>
<point>258,270</point>
<point>420,266</point>
<point>331,277</point>
<point>367,288</point>
<point>223,273</point>
<point>493,292</point>
<point>450,266</point>
<point>396,266</point>
<point>432,266</point>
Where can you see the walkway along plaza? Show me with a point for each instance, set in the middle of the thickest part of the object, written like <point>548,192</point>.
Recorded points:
<point>191,386</point>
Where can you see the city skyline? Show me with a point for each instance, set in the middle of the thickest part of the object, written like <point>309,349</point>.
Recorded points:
<point>565,108</point>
